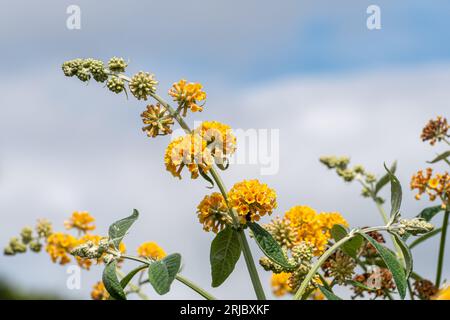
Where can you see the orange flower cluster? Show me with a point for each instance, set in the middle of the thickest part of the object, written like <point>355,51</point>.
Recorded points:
<point>219,138</point>
<point>252,200</point>
<point>213,212</point>
<point>435,186</point>
<point>190,151</point>
<point>313,227</point>
<point>151,250</point>
<point>188,95</point>
<point>82,221</point>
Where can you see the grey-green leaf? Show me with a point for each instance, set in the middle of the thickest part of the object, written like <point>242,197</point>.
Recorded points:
<point>269,245</point>
<point>440,157</point>
<point>429,213</point>
<point>328,294</point>
<point>398,273</point>
<point>124,282</point>
<point>396,193</point>
<point>384,180</point>
<point>224,254</point>
<point>406,252</point>
<point>159,277</point>
<point>173,264</point>
<point>111,282</point>
<point>118,229</point>
<point>351,247</point>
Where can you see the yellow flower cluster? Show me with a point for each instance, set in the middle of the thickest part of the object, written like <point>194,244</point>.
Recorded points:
<point>435,186</point>
<point>59,245</point>
<point>280,283</point>
<point>219,137</point>
<point>99,292</point>
<point>252,200</point>
<point>213,212</point>
<point>190,151</point>
<point>312,227</point>
<point>188,95</point>
<point>151,250</point>
<point>82,221</point>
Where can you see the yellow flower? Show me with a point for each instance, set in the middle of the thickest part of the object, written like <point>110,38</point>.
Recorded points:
<point>219,138</point>
<point>213,212</point>
<point>82,221</point>
<point>312,227</point>
<point>252,200</point>
<point>151,250</point>
<point>280,283</point>
<point>190,151</point>
<point>443,294</point>
<point>99,292</point>
<point>158,121</point>
<point>59,246</point>
<point>188,95</point>
<point>437,186</point>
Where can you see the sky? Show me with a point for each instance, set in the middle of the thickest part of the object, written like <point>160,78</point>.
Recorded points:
<point>311,70</point>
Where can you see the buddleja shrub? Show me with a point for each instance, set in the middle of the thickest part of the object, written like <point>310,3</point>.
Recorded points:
<point>308,253</point>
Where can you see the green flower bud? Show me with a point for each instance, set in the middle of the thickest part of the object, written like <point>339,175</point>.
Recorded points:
<point>303,252</point>
<point>370,178</point>
<point>17,246</point>
<point>142,85</point>
<point>35,246</point>
<point>70,68</point>
<point>44,228</point>
<point>97,69</point>
<point>414,226</point>
<point>365,192</point>
<point>84,74</point>
<point>346,174</point>
<point>116,64</point>
<point>27,235</point>
<point>115,84</point>
<point>8,251</point>
<point>358,169</point>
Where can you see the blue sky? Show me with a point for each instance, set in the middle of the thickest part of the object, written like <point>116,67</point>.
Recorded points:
<point>310,69</point>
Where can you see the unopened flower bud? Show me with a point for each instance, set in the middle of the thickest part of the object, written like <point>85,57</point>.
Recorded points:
<point>35,246</point>
<point>27,235</point>
<point>116,64</point>
<point>44,228</point>
<point>115,84</point>
<point>414,226</point>
<point>142,85</point>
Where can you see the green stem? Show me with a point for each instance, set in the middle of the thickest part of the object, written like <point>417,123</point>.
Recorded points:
<point>301,291</point>
<point>194,287</point>
<point>136,289</point>
<point>257,286</point>
<point>442,248</point>
<point>179,277</point>
<point>383,214</point>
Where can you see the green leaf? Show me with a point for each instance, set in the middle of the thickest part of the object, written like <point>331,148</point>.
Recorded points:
<point>396,193</point>
<point>126,280</point>
<point>425,237</point>
<point>406,252</point>
<point>173,264</point>
<point>118,229</point>
<point>207,178</point>
<point>398,273</point>
<point>268,245</point>
<point>440,157</point>
<point>225,252</point>
<point>351,247</point>
<point>384,180</point>
<point>158,276</point>
<point>429,213</point>
<point>328,294</point>
<point>112,283</point>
